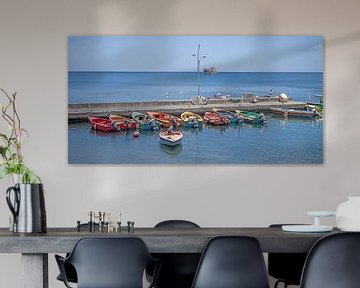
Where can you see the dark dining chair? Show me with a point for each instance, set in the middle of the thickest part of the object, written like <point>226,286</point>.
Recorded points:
<point>108,263</point>
<point>70,271</point>
<point>178,269</point>
<point>333,262</point>
<point>286,267</point>
<point>232,262</point>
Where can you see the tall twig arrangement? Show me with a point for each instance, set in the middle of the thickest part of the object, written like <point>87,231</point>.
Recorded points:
<point>11,158</point>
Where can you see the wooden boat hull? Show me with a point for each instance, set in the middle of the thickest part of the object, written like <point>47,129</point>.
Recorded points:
<point>302,113</point>
<point>123,123</point>
<point>295,113</point>
<point>233,117</point>
<point>146,122</point>
<point>101,124</point>
<point>279,111</point>
<point>252,117</point>
<point>191,120</point>
<point>317,108</point>
<point>166,120</point>
<point>215,119</point>
<point>170,138</point>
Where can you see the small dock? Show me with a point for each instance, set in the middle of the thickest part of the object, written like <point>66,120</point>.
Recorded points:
<point>80,112</point>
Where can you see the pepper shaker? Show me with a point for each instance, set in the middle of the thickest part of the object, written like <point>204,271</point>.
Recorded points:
<point>78,226</point>
<point>90,221</point>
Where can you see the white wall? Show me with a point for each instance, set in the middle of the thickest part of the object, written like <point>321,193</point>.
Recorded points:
<point>33,62</point>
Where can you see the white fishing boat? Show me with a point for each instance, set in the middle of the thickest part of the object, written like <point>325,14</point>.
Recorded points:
<point>170,138</point>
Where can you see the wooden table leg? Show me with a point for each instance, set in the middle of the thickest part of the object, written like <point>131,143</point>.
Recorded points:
<point>35,270</point>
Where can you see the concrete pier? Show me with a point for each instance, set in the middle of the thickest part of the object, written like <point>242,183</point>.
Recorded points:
<point>80,112</point>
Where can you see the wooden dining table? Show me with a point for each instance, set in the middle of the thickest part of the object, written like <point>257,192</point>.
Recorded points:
<point>35,247</point>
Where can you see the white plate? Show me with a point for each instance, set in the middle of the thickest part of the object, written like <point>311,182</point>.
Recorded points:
<point>321,213</point>
<point>306,228</point>
<point>350,229</point>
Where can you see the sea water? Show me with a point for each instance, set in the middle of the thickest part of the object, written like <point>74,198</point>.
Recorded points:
<point>109,87</point>
<point>281,141</point>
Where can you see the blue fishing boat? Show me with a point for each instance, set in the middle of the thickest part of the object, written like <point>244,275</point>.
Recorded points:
<point>145,121</point>
<point>232,116</point>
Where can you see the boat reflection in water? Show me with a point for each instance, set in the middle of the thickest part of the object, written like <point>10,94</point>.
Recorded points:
<point>283,121</point>
<point>171,150</point>
<point>220,128</point>
<point>110,135</point>
<point>192,129</point>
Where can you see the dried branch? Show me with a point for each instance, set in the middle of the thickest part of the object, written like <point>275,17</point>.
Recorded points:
<point>10,153</point>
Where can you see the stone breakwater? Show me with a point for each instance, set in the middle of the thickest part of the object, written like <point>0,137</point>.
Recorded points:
<point>80,112</point>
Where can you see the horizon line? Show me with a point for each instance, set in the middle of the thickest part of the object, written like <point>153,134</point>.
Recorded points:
<point>152,71</point>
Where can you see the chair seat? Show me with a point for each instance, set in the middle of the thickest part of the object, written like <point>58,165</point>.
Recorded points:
<point>108,263</point>
<point>232,261</point>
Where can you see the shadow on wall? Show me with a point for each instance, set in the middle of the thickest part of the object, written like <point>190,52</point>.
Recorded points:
<point>345,39</point>
<point>137,17</point>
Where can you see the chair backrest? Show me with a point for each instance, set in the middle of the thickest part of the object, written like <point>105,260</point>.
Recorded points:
<point>176,224</point>
<point>232,262</point>
<point>286,267</point>
<point>333,262</point>
<point>178,269</point>
<point>110,262</point>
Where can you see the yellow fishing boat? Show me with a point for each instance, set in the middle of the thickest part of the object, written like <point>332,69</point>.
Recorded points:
<point>191,120</point>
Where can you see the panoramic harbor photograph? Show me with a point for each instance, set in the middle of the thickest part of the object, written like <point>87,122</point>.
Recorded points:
<point>195,100</point>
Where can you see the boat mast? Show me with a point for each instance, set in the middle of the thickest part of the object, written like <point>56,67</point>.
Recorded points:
<point>198,60</point>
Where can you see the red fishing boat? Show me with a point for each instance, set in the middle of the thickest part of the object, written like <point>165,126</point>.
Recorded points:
<point>101,124</point>
<point>215,119</point>
<point>165,119</point>
<point>123,123</point>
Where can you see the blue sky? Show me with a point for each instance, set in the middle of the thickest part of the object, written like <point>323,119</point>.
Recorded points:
<point>174,53</point>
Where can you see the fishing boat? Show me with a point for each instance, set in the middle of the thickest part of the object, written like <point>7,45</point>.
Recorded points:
<point>215,119</point>
<point>123,123</point>
<point>145,122</point>
<point>101,124</point>
<point>220,95</point>
<point>232,116</point>
<point>170,138</point>
<point>210,71</point>
<point>311,114</point>
<point>320,102</point>
<point>198,100</point>
<point>191,120</point>
<point>318,106</point>
<point>165,119</point>
<point>252,117</point>
<point>303,113</point>
<point>279,111</point>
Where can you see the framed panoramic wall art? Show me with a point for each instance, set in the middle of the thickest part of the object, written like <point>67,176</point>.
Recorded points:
<point>195,100</point>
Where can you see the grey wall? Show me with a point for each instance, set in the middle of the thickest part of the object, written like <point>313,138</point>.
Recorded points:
<point>33,62</point>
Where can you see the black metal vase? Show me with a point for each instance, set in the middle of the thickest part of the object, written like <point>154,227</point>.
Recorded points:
<point>27,204</point>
